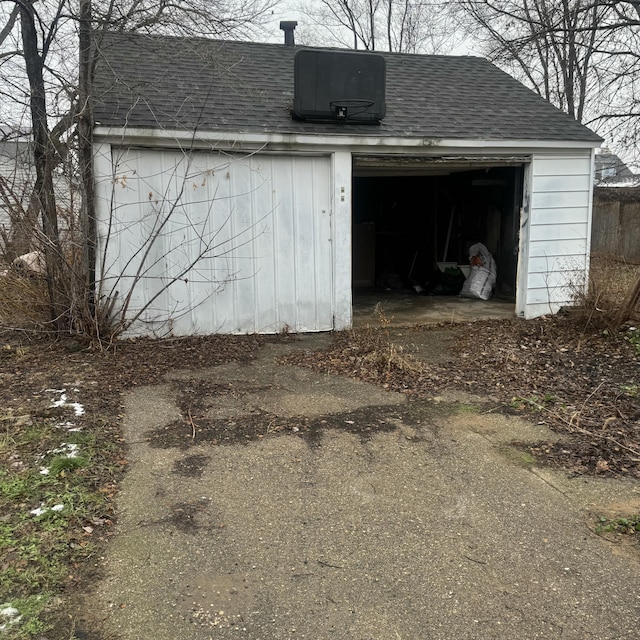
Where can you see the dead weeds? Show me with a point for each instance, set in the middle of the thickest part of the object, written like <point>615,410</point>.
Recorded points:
<point>584,384</point>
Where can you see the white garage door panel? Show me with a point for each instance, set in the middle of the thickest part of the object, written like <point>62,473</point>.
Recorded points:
<point>244,242</point>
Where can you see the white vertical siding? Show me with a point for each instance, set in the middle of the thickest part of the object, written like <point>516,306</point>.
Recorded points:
<point>557,231</point>
<point>242,243</point>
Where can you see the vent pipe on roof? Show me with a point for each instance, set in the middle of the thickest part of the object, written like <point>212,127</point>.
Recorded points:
<point>289,26</point>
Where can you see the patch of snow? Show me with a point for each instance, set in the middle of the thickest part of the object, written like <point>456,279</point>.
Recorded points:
<point>69,449</point>
<point>38,511</point>
<point>63,401</point>
<point>69,426</point>
<point>78,408</point>
<point>44,471</point>
<point>11,615</point>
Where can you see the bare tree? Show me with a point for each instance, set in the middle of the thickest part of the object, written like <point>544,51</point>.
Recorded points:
<point>581,55</point>
<point>218,18</point>
<point>35,55</point>
<point>49,44</point>
<point>409,26</point>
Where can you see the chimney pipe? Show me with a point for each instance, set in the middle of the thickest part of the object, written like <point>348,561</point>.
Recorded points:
<point>289,26</point>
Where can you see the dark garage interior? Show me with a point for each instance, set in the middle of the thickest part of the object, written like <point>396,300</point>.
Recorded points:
<point>413,223</point>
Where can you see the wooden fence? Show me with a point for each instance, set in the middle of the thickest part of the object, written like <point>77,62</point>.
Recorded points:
<point>616,223</point>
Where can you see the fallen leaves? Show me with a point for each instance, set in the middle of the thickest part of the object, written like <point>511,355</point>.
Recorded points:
<point>583,385</point>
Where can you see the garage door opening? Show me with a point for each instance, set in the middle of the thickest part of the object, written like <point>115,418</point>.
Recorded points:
<point>415,219</point>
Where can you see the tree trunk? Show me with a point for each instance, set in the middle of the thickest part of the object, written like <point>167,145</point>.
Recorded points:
<point>630,304</point>
<point>43,156</point>
<point>85,153</point>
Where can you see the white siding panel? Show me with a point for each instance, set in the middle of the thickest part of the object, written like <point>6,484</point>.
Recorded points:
<point>243,242</point>
<point>535,310</point>
<point>568,215</point>
<point>557,248</point>
<point>548,264</point>
<point>561,296</point>
<point>553,280</point>
<point>558,231</point>
<point>560,199</point>
<point>555,184</point>
<point>562,165</point>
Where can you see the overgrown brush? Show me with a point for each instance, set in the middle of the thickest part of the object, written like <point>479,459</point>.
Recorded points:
<point>374,349</point>
<point>23,302</point>
<point>606,304</point>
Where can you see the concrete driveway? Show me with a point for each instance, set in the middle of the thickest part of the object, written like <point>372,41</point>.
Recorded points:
<point>397,520</point>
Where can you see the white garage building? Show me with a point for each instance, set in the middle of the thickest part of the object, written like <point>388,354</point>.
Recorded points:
<point>219,212</point>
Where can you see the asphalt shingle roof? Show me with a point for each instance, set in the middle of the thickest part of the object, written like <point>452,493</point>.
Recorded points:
<point>181,83</point>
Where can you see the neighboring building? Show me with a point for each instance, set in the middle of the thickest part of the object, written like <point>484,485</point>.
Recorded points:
<point>20,227</point>
<point>16,176</point>
<point>196,148</point>
<point>610,170</point>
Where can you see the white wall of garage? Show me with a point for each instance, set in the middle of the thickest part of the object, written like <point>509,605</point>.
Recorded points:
<point>555,232</point>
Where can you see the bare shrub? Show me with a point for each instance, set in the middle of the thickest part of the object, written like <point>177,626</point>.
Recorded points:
<point>601,306</point>
<point>373,349</point>
<point>25,301</point>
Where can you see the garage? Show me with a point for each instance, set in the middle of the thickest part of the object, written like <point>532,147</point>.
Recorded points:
<point>381,188</point>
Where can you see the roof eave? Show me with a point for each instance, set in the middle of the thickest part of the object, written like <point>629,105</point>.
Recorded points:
<point>150,137</point>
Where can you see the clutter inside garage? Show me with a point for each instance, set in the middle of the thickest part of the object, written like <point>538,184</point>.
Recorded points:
<point>431,234</point>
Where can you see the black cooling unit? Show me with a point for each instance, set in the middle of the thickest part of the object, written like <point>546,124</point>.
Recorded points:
<point>339,86</point>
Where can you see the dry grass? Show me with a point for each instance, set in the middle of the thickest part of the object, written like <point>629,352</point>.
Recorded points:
<point>23,302</point>
<point>375,349</point>
<point>610,281</point>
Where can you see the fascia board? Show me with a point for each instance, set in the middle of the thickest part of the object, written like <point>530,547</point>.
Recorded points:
<point>289,141</point>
